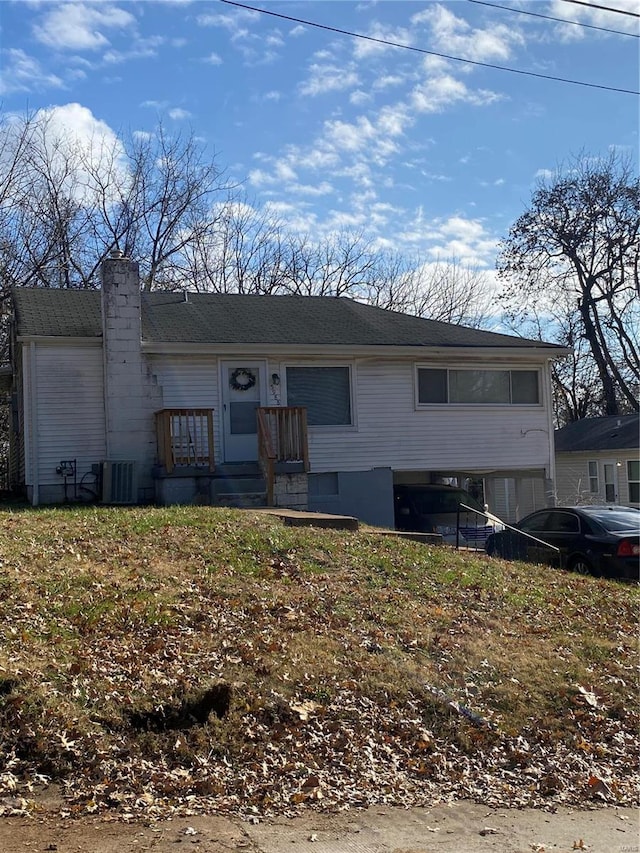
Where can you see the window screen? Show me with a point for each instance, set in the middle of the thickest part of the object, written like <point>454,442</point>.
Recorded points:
<point>432,386</point>
<point>524,386</point>
<point>324,391</point>
<point>633,473</point>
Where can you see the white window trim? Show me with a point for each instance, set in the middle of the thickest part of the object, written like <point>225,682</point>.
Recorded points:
<point>353,426</point>
<point>476,406</point>
<point>595,491</point>
<point>629,480</point>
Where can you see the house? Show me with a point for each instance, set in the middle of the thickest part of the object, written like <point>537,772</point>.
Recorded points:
<point>598,461</point>
<point>183,397</point>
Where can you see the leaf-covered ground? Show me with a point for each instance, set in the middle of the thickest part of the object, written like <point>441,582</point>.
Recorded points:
<point>195,659</point>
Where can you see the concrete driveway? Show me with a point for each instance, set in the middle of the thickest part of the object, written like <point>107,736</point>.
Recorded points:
<point>461,827</point>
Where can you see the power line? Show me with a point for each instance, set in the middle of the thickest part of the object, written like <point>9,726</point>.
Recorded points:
<point>604,8</point>
<point>428,52</point>
<point>551,18</point>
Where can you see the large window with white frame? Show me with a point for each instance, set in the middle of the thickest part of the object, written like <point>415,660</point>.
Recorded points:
<point>324,391</point>
<point>594,484</point>
<point>477,386</point>
<point>633,477</point>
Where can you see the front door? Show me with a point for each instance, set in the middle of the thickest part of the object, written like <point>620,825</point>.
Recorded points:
<point>242,393</point>
<point>610,481</point>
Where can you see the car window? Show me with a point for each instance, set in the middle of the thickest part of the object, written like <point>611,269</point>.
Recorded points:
<point>563,522</point>
<point>617,519</point>
<point>535,522</point>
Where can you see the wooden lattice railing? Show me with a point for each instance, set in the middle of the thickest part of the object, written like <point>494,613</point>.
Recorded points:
<point>282,437</point>
<point>185,437</point>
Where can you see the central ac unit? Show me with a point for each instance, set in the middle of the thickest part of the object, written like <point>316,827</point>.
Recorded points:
<point>119,483</point>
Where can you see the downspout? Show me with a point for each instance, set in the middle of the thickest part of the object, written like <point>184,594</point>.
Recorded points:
<point>552,450</point>
<point>32,420</point>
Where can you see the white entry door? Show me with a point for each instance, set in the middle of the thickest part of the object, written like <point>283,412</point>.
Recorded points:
<point>242,393</point>
<point>610,480</point>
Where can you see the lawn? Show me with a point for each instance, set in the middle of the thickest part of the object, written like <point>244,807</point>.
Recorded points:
<point>162,660</point>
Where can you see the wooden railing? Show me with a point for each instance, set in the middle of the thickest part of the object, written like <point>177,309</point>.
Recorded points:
<point>185,437</point>
<point>282,437</point>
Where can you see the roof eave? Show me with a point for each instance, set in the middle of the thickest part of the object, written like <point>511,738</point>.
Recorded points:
<point>526,353</point>
<point>58,340</point>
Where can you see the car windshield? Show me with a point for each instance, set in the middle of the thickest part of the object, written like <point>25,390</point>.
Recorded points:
<point>617,519</point>
<point>436,502</point>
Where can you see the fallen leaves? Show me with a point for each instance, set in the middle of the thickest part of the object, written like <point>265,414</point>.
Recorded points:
<point>371,679</point>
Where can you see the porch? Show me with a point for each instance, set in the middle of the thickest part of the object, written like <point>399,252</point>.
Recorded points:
<point>187,471</point>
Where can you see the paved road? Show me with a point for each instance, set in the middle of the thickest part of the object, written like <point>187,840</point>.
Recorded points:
<point>461,827</point>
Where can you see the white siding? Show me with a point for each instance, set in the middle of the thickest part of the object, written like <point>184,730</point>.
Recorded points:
<point>69,412</point>
<point>572,476</point>
<point>390,432</point>
<point>190,382</point>
<point>193,381</point>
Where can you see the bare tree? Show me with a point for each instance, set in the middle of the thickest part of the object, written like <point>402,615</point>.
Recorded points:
<point>579,239</point>
<point>66,202</point>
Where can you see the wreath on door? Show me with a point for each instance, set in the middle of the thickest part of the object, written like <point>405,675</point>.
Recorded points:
<point>242,379</point>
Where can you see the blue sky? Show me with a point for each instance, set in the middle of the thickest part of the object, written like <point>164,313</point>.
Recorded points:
<point>420,153</point>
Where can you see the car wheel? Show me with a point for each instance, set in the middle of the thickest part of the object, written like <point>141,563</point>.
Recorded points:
<point>582,566</point>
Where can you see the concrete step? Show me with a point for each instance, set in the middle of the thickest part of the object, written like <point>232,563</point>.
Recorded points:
<point>237,485</point>
<point>245,500</point>
<point>238,469</point>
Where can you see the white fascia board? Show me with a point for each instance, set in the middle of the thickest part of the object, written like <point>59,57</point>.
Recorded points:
<point>418,353</point>
<point>60,340</point>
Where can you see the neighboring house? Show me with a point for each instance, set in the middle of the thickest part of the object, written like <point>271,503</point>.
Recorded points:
<point>174,397</point>
<point>598,461</point>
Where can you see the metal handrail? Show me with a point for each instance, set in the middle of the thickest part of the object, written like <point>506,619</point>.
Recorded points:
<point>488,515</point>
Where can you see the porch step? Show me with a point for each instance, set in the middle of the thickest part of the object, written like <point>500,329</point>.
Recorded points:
<point>237,485</point>
<point>237,469</point>
<point>242,500</point>
<point>242,488</point>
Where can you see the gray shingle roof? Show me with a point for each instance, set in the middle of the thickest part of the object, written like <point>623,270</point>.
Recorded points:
<point>248,319</point>
<point>612,433</point>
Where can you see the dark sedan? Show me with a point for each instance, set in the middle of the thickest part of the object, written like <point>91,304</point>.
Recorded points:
<point>597,540</point>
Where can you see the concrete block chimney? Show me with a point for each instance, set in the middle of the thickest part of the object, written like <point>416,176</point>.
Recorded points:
<point>130,394</point>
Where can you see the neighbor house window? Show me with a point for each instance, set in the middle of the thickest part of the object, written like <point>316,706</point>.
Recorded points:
<point>510,387</point>
<point>594,486</point>
<point>633,475</point>
<point>325,392</point>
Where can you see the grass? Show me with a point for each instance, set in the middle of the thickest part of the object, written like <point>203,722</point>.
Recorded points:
<point>342,652</point>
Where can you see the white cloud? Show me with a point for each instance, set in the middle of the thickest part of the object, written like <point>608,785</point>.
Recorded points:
<point>139,49</point>
<point>359,98</point>
<point>465,239</point>
<point>233,21</point>
<point>178,114</point>
<point>599,17</point>
<point>455,36</point>
<point>364,48</point>
<point>438,93</point>
<point>22,73</point>
<point>328,78</point>
<point>71,133</point>
<point>323,188</point>
<point>81,26</point>
<point>213,59</point>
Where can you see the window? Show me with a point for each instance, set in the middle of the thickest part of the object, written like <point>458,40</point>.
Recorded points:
<point>563,522</point>
<point>536,522</point>
<point>324,391</point>
<point>633,475</point>
<point>510,387</point>
<point>594,486</point>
